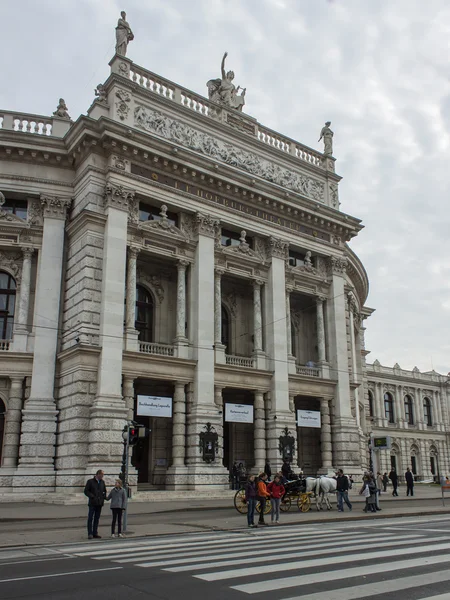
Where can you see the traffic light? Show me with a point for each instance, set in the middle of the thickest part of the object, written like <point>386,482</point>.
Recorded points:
<point>133,436</point>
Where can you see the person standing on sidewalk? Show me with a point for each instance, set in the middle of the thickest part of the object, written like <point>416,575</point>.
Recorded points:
<point>342,491</point>
<point>95,490</point>
<point>268,470</point>
<point>409,482</point>
<point>385,481</point>
<point>250,499</point>
<point>277,491</point>
<point>393,477</point>
<point>263,496</point>
<point>118,499</point>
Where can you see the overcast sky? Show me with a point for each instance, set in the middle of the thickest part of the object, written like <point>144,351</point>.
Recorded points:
<point>379,70</point>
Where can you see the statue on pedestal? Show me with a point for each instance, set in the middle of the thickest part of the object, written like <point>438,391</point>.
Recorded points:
<point>223,91</point>
<point>327,135</point>
<point>123,34</point>
<point>62,110</point>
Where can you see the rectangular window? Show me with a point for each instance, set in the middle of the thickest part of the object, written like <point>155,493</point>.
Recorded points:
<point>393,462</point>
<point>152,213</point>
<point>232,238</point>
<point>16,207</point>
<point>413,465</point>
<point>296,259</point>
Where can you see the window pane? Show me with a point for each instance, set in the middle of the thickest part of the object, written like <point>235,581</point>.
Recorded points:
<point>9,329</point>
<point>4,277</point>
<point>3,302</point>
<point>11,304</point>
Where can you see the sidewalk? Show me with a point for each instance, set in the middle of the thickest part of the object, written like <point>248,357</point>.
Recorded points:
<point>32,524</point>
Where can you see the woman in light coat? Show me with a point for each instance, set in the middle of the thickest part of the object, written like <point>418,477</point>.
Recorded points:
<point>118,499</point>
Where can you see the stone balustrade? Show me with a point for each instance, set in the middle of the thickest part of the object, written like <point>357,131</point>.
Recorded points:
<point>5,345</point>
<point>26,123</point>
<point>309,371</point>
<point>239,361</point>
<point>153,348</point>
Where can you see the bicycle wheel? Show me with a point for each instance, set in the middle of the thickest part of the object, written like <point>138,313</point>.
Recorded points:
<point>239,502</point>
<point>285,504</point>
<point>304,502</point>
<point>267,509</point>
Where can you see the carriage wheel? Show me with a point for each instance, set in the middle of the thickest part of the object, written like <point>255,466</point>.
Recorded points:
<point>267,509</point>
<point>239,502</point>
<point>285,504</point>
<point>304,502</point>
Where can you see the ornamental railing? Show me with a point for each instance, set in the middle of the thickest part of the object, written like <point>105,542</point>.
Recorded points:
<point>309,371</point>
<point>5,345</point>
<point>239,361</point>
<point>153,348</point>
<point>34,124</point>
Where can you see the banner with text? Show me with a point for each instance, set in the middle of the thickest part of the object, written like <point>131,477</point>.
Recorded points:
<point>238,413</point>
<point>308,418</point>
<point>154,406</point>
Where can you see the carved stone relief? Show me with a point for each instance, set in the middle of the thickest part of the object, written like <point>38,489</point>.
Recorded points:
<point>154,282</point>
<point>277,248</point>
<point>337,265</point>
<point>168,128</point>
<point>206,225</point>
<point>163,225</point>
<point>118,196</point>
<point>123,103</point>
<point>13,264</point>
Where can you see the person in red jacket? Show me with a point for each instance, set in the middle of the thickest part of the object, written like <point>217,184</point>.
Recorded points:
<point>277,491</point>
<point>263,496</point>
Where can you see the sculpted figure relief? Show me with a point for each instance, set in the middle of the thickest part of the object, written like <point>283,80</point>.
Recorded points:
<point>327,135</point>
<point>123,34</point>
<point>62,110</point>
<point>223,91</point>
<point>100,93</point>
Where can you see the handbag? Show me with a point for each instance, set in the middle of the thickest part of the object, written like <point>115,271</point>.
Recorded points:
<point>366,492</point>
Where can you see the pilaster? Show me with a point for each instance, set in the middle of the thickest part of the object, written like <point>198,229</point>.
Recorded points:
<point>131,334</point>
<point>181,342</point>
<point>13,420</point>
<point>21,325</point>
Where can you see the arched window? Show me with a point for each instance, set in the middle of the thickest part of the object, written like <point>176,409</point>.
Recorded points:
<point>2,426</point>
<point>427,412</point>
<point>7,305</point>
<point>371,410</point>
<point>226,330</point>
<point>409,414</point>
<point>389,407</point>
<point>144,314</point>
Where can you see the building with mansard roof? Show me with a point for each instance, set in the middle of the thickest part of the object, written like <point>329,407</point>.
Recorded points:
<point>167,259</point>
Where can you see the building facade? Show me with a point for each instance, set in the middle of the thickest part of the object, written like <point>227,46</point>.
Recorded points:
<point>169,247</point>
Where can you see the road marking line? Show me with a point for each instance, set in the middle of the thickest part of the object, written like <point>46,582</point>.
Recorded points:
<point>59,574</point>
<point>25,562</point>
<point>280,556</point>
<point>308,564</point>
<point>323,576</point>
<point>380,587</point>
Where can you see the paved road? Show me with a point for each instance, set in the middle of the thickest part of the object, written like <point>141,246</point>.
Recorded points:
<point>399,559</point>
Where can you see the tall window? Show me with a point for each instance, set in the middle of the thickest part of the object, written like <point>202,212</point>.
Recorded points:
<point>371,411</point>
<point>152,213</point>
<point>144,314</point>
<point>413,465</point>
<point>16,207</point>
<point>2,426</point>
<point>7,305</point>
<point>409,415</point>
<point>226,332</point>
<point>389,407</point>
<point>233,238</point>
<point>427,412</point>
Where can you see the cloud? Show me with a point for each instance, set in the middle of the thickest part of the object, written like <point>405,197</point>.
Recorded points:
<point>378,70</point>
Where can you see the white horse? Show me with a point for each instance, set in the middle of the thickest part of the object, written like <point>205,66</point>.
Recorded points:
<point>322,487</point>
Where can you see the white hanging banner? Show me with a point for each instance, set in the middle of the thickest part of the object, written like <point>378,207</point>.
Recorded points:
<point>154,406</point>
<point>238,413</point>
<point>308,418</point>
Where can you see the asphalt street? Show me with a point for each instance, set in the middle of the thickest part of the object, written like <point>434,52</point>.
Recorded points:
<point>404,558</point>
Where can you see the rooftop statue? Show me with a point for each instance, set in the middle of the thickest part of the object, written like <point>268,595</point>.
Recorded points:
<point>123,34</point>
<point>100,93</point>
<point>62,111</point>
<point>327,135</point>
<point>223,91</point>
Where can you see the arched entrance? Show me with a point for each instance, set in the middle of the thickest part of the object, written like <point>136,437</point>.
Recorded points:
<point>238,438</point>
<point>415,460</point>
<point>309,446</point>
<point>434,463</point>
<point>395,458</point>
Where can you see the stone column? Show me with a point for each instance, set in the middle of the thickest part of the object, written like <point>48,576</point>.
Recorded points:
<point>320,330</point>
<point>181,342</point>
<point>179,426</point>
<point>38,437</point>
<point>288,322</point>
<point>12,424</point>
<point>258,352</point>
<point>418,409</point>
<point>277,346</point>
<point>130,320</point>
<point>399,407</point>
<point>346,450</point>
<point>436,411</point>
<point>259,432</point>
<point>351,306</point>
<point>379,399</point>
<point>325,437</point>
<point>218,346</point>
<point>218,401</point>
<point>108,411</point>
<point>21,324</point>
<point>128,394</point>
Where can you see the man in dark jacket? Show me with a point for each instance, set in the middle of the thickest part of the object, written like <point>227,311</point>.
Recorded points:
<point>409,482</point>
<point>393,477</point>
<point>342,491</point>
<point>95,490</point>
<point>268,470</point>
<point>286,469</point>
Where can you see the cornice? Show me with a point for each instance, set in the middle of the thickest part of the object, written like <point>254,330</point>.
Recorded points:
<point>38,180</point>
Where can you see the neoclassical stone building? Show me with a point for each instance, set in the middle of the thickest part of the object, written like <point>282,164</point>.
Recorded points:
<point>169,250</point>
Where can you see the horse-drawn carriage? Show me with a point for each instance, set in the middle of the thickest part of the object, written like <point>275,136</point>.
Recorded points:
<point>295,493</point>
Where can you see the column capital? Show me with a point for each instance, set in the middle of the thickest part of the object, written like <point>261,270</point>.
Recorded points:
<point>55,207</point>
<point>182,264</point>
<point>16,381</point>
<point>218,272</point>
<point>320,299</point>
<point>336,265</point>
<point>133,251</point>
<point>206,225</point>
<point>277,248</point>
<point>119,197</point>
<point>27,252</point>
<point>289,289</point>
<point>257,283</point>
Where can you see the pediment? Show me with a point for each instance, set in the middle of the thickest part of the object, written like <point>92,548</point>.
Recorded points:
<point>163,227</point>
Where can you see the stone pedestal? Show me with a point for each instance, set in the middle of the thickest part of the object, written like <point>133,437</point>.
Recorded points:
<point>275,426</point>
<point>11,437</point>
<point>346,446</point>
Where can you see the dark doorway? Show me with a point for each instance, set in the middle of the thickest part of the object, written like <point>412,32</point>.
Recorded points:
<point>238,438</point>
<point>309,447</point>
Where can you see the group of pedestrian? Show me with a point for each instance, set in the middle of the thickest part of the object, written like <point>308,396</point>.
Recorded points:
<point>259,489</point>
<point>371,489</point>
<point>95,490</point>
<point>409,479</point>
